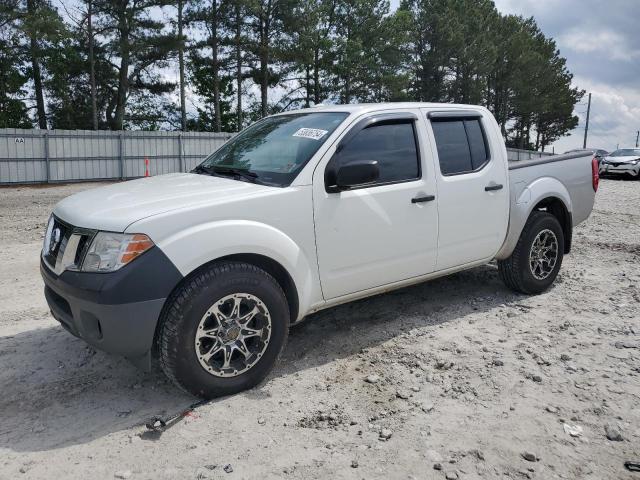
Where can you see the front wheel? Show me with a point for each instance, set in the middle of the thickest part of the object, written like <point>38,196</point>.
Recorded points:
<point>223,329</point>
<point>535,262</point>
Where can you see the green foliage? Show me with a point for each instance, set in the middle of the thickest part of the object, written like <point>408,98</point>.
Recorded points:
<point>139,47</point>
<point>68,86</point>
<point>13,84</point>
<point>465,51</point>
<point>243,59</point>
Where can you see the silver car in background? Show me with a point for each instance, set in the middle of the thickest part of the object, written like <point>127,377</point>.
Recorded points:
<point>622,161</point>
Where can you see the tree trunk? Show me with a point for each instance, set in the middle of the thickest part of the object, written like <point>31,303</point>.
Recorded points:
<point>347,77</point>
<point>183,107</point>
<point>265,15</point>
<point>34,53</point>
<point>92,66</point>
<point>307,88</point>
<point>316,76</point>
<point>239,67</point>
<point>215,67</point>
<point>264,77</point>
<point>347,88</point>
<point>123,73</point>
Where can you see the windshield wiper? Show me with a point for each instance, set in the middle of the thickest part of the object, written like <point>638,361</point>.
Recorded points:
<point>226,171</point>
<point>203,169</point>
<point>241,172</point>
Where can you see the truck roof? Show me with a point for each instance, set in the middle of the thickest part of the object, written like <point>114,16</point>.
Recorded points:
<point>365,107</point>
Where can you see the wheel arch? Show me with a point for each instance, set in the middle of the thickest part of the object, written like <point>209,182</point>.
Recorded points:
<point>277,271</point>
<point>556,207</point>
<point>544,194</point>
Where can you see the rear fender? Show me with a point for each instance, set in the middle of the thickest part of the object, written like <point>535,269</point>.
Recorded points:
<point>524,200</point>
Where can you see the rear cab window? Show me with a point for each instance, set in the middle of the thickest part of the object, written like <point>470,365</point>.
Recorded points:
<point>461,144</point>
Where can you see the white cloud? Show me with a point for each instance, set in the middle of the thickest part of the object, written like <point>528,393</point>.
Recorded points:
<point>604,42</point>
<point>615,117</point>
<point>600,42</point>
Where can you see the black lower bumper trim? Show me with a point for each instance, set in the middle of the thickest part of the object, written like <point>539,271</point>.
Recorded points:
<point>115,312</point>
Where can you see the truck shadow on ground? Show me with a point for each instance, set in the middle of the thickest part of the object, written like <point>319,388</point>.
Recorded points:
<point>51,380</point>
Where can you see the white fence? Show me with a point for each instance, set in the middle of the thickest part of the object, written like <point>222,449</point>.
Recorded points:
<point>52,156</point>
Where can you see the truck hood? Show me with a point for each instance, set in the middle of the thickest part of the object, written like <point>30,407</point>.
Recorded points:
<point>115,207</point>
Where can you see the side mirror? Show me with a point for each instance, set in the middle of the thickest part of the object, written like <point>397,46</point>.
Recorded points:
<point>356,174</point>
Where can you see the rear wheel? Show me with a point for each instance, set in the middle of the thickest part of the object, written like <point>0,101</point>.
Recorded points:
<point>535,262</point>
<point>223,330</point>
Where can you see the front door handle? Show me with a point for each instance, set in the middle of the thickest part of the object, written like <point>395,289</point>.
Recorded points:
<point>491,188</point>
<point>427,198</point>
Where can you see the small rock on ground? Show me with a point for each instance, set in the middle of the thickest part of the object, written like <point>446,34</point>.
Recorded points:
<point>373,378</point>
<point>613,433</point>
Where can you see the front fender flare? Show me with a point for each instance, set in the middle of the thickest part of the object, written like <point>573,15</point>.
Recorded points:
<point>191,248</point>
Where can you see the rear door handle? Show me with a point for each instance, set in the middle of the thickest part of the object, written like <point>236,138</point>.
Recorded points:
<point>491,188</point>
<point>427,198</point>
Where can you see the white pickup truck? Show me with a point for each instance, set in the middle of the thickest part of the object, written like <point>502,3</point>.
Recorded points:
<point>303,211</point>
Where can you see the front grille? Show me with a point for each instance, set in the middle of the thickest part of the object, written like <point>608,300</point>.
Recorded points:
<point>57,242</point>
<point>67,246</point>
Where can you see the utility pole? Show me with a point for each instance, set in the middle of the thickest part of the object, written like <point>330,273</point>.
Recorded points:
<point>586,127</point>
<point>637,137</point>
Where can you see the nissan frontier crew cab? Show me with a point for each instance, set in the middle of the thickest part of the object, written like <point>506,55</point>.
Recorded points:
<point>302,211</point>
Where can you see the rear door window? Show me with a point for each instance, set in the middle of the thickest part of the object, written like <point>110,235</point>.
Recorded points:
<point>461,145</point>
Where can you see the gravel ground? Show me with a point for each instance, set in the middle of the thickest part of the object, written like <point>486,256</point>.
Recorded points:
<point>456,378</point>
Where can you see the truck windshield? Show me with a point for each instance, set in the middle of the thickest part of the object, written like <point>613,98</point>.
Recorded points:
<point>273,150</point>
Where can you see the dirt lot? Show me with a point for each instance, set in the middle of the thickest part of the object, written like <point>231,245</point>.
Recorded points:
<point>462,375</point>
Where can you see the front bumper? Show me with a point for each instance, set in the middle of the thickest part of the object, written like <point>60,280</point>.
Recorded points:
<point>623,168</point>
<point>115,312</point>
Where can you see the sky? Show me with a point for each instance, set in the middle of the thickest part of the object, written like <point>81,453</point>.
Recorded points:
<point>601,41</point>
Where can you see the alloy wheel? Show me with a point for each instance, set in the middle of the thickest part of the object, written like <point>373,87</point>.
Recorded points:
<point>544,254</point>
<point>233,335</point>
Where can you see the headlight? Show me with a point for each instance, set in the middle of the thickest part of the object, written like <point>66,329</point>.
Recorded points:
<point>110,251</point>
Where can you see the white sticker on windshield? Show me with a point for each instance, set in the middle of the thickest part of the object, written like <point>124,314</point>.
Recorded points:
<point>313,133</point>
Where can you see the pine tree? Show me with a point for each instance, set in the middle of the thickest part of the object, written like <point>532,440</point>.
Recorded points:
<point>138,42</point>
<point>211,62</point>
<point>13,74</point>
<point>41,30</point>
<point>309,51</point>
<point>81,76</point>
<point>266,20</point>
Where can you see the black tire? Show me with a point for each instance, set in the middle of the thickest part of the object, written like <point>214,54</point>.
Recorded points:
<point>182,317</point>
<point>516,271</point>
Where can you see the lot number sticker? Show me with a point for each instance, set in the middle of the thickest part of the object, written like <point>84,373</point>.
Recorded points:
<point>313,133</point>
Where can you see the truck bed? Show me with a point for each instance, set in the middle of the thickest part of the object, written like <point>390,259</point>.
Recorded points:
<point>565,177</point>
